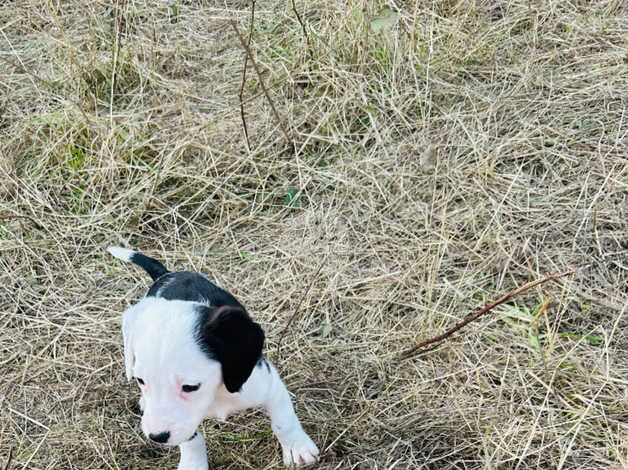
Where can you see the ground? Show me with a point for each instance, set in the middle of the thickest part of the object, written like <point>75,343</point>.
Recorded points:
<point>406,163</point>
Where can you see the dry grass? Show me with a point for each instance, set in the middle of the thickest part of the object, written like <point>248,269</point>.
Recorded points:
<point>466,149</point>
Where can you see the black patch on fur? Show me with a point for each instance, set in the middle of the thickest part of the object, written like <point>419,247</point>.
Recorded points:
<point>193,287</point>
<point>263,362</point>
<point>153,267</point>
<point>228,335</point>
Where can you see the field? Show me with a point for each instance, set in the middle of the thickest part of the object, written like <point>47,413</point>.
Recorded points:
<point>403,164</point>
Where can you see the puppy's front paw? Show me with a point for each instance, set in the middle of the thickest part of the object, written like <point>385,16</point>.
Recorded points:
<point>193,454</point>
<point>193,466</point>
<point>300,451</point>
<point>198,462</point>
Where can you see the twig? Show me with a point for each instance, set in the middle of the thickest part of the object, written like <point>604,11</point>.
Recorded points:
<point>296,311</point>
<point>261,81</point>
<point>305,33</point>
<point>244,68</point>
<point>474,316</point>
<point>120,27</point>
<point>121,23</point>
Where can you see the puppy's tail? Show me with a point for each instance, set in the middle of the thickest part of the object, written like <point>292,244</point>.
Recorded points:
<point>153,267</point>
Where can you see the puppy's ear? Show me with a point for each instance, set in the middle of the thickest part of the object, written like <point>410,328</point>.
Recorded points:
<point>233,339</point>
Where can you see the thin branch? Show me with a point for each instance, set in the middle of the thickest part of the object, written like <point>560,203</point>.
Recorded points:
<point>120,28</point>
<point>244,68</point>
<point>474,316</point>
<point>305,33</point>
<point>296,311</point>
<point>262,84</point>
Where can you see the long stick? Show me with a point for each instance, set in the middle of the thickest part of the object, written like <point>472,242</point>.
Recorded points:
<point>247,49</point>
<point>244,67</point>
<point>304,29</point>
<point>474,316</point>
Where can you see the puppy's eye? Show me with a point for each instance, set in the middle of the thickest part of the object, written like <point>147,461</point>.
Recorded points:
<point>190,388</point>
<point>139,381</point>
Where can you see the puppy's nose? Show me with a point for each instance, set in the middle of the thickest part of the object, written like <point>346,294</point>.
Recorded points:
<point>162,437</point>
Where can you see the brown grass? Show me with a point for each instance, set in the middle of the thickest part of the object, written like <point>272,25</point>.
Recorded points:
<point>467,148</point>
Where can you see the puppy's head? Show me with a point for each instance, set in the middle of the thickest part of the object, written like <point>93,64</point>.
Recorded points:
<point>180,353</point>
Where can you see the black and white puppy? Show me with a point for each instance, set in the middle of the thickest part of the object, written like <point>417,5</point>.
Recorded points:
<point>195,353</point>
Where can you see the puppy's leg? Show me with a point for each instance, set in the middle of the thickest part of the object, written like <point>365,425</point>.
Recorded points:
<point>297,447</point>
<point>193,454</point>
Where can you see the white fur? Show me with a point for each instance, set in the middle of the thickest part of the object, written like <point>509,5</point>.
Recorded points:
<point>193,455</point>
<point>160,348</point>
<point>121,253</point>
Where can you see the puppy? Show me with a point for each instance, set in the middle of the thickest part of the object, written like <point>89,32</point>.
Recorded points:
<point>195,353</point>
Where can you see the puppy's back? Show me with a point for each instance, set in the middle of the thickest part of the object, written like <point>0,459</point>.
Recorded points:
<point>193,287</point>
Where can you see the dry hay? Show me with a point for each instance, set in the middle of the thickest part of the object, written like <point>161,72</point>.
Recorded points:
<point>458,151</point>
